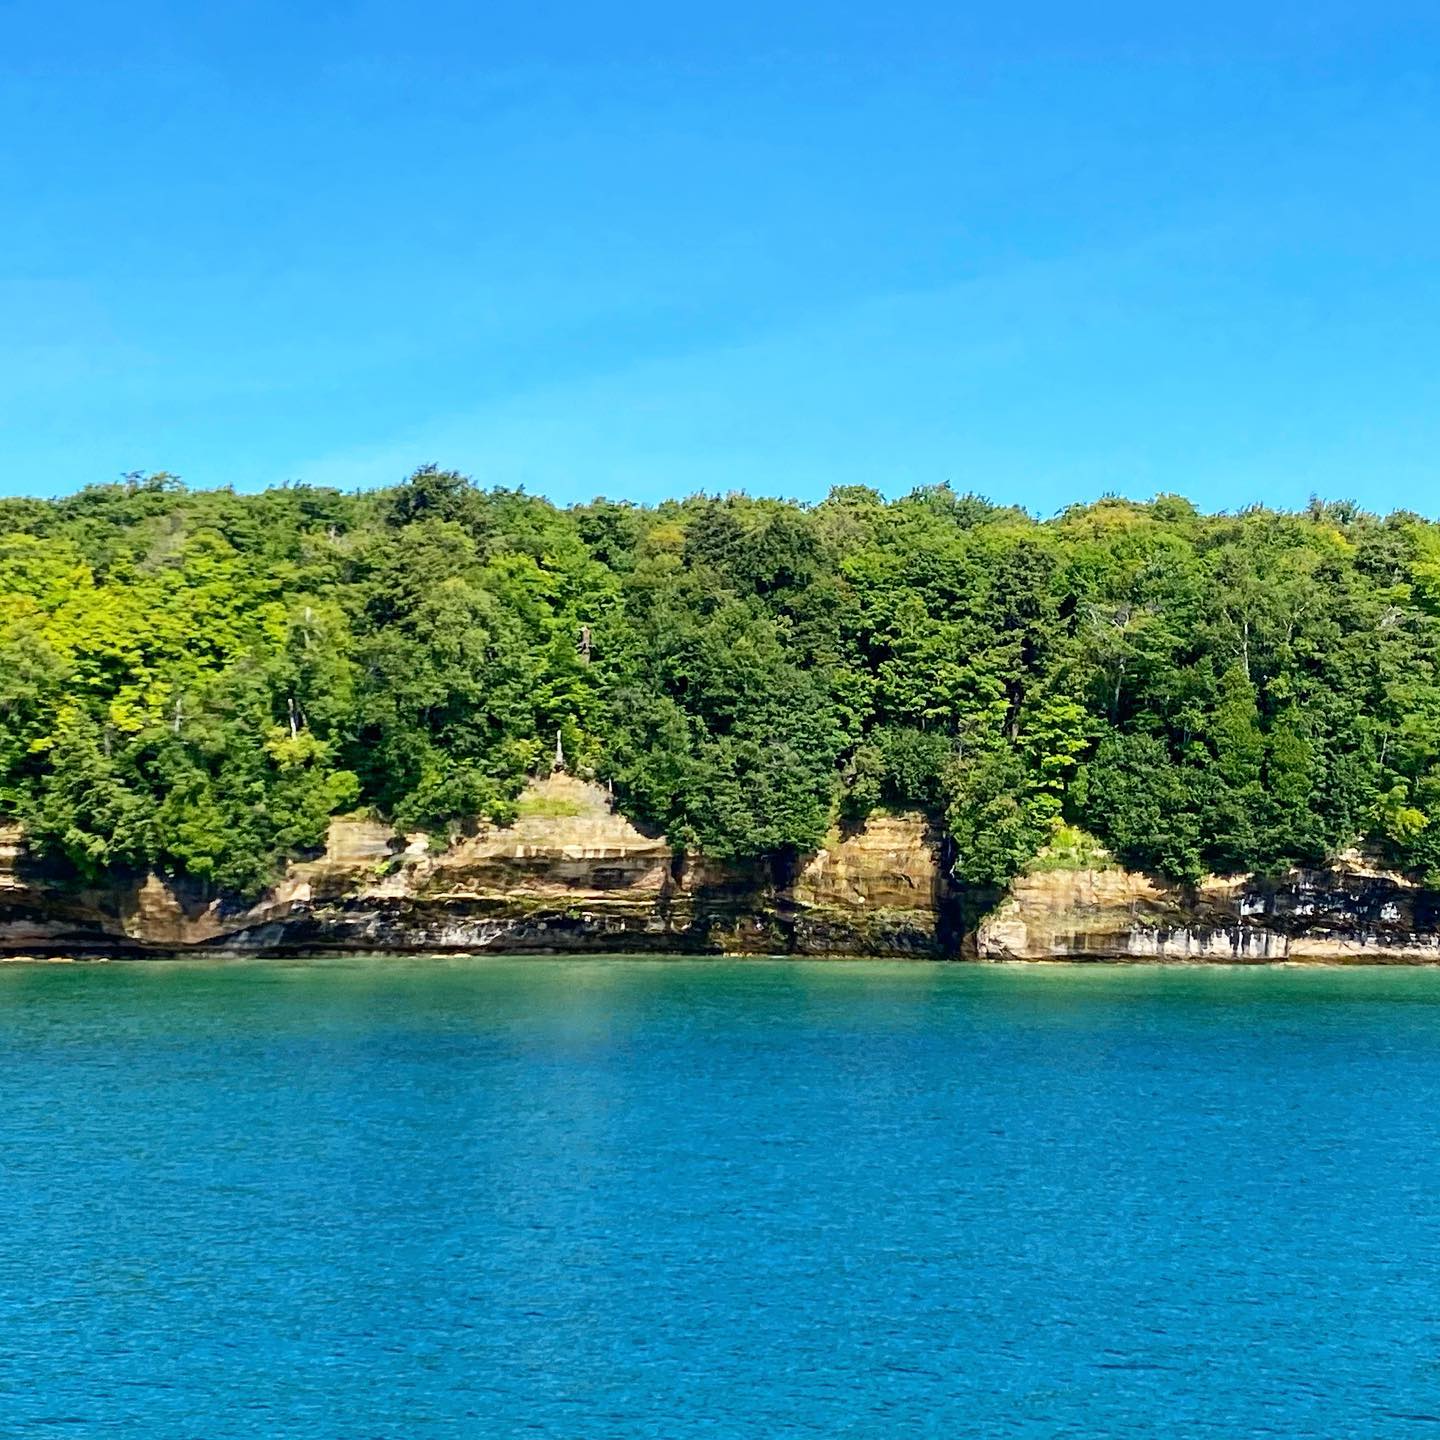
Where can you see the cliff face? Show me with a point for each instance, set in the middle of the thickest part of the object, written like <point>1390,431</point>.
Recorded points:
<point>572,875</point>
<point>1347,913</point>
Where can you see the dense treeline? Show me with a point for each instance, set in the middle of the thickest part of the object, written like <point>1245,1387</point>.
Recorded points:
<point>198,680</point>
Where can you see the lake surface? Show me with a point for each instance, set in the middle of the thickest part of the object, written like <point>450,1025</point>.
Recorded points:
<point>624,1198</point>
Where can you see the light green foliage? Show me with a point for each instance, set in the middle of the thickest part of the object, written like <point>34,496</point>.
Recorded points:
<point>198,681</point>
<point>545,807</point>
<point>1068,847</point>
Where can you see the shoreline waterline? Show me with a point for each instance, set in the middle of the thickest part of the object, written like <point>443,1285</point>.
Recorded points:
<point>124,958</point>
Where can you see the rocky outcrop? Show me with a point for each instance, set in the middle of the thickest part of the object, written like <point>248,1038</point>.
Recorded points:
<point>573,875</point>
<point>1348,913</point>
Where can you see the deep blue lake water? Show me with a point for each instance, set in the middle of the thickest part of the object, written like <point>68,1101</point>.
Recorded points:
<point>623,1198</point>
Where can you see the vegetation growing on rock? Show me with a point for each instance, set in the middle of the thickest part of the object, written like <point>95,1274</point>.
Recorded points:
<point>197,681</point>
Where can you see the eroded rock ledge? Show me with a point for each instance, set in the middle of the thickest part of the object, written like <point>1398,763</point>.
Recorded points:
<point>572,875</point>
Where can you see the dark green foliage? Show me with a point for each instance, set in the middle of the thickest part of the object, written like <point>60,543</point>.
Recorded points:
<point>1140,800</point>
<point>198,681</point>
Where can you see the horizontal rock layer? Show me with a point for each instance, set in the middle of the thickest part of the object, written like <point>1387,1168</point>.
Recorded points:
<point>1345,913</point>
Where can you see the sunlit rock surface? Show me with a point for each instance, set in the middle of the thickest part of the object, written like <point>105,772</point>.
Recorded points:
<point>1348,913</point>
<point>573,875</point>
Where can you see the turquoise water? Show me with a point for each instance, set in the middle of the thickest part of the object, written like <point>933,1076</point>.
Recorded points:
<point>616,1198</point>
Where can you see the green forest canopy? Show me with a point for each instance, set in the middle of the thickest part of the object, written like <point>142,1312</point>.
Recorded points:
<point>198,680</point>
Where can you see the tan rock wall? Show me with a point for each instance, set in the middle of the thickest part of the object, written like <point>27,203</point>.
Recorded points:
<point>570,874</point>
<point>891,863</point>
<point>1350,913</point>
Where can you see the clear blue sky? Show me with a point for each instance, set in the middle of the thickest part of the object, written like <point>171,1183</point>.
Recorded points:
<point>1041,250</point>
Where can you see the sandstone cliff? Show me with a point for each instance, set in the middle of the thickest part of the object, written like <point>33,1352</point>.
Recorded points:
<point>572,875</point>
<point>1350,912</point>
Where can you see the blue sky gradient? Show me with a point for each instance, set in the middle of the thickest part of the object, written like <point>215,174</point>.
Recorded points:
<point>650,249</point>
